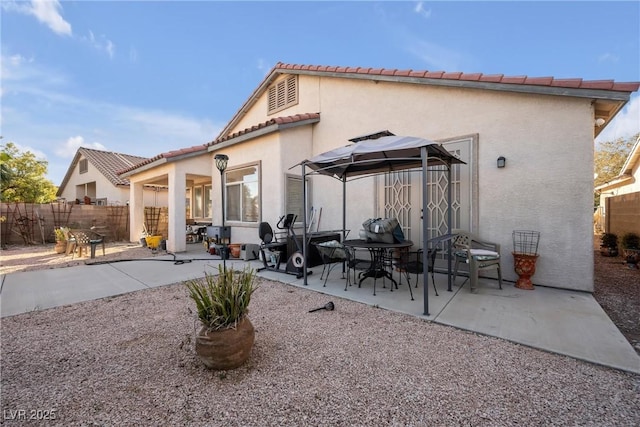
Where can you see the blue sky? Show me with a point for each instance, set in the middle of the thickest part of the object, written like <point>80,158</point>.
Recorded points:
<point>147,77</point>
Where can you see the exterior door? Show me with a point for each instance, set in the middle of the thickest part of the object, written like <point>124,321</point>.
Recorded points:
<point>401,194</point>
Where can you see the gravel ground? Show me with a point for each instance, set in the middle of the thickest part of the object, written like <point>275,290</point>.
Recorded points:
<point>129,360</point>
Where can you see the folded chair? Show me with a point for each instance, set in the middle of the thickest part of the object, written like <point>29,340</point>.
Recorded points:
<point>480,255</point>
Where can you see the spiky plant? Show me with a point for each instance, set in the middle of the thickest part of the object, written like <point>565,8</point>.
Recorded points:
<point>223,299</point>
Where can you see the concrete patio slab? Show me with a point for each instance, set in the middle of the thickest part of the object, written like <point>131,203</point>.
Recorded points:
<point>570,323</point>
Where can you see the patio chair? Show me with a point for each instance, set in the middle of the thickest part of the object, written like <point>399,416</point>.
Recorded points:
<point>480,255</point>
<point>410,262</point>
<point>87,238</point>
<point>332,253</point>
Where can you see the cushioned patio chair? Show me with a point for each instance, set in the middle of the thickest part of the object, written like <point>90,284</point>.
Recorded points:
<point>480,255</point>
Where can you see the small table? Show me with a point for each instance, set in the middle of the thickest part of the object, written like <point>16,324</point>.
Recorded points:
<point>377,250</point>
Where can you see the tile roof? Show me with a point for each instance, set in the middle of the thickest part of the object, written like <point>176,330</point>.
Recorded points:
<point>109,163</point>
<point>277,122</point>
<point>605,89</point>
<point>574,83</point>
<point>167,156</point>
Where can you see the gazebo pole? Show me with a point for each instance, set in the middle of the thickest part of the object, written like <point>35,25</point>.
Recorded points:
<point>344,214</point>
<point>425,231</point>
<point>304,225</point>
<point>449,227</point>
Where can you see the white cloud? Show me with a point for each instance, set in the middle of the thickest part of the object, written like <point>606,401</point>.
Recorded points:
<point>434,55</point>
<point>420,10</point>
<point>100,43</point>
<point>47,12</point>
<point>133,54</point>
<point>69,148</point>
<point>608,57</point>
<point>263,67</point>
<point>625,124</point>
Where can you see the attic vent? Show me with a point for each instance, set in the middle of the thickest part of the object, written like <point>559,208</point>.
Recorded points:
<point>84,165</point>
<point>283,94</point>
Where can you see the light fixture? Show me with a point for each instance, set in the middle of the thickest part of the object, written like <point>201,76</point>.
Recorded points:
<point>600,121</point>
<point>501,162</point>
<point>221,163</point>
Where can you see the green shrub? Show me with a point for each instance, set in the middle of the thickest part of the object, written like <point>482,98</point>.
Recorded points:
<point>630,241</point>
<point>223,299</point>
<point>609,240</point>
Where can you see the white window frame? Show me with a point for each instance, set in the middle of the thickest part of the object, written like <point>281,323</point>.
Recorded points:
<point>240,217</point>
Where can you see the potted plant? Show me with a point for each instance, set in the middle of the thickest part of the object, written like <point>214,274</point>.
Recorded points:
<point>609,244</point>
<point>222,302</point>
<point>61,239</point>
<point>630,243</point>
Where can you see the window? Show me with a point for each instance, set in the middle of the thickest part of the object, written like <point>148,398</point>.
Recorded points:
<point>283,94</point>
<point>207,201</point>
<point>84,165</point>
<point>197,202</point>
<point>243,194</point>
<point>294,203</point>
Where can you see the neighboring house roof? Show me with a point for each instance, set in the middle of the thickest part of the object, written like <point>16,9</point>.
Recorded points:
<point>626,171</point>
<point>271,125</point>
<point>107,163</point>
<point>605,90</point>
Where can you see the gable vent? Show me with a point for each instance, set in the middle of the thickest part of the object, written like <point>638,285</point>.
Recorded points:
<point>283,94</point>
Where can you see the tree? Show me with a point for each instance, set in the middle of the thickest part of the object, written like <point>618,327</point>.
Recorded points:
<point>23,177</point>
<point>610,156</point>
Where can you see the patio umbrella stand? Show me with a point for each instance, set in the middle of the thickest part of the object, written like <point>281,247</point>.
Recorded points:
<point>525,255</point>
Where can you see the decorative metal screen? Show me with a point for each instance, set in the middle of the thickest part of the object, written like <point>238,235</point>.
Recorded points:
<point>398,202</point>
<point>437,202</point>
<point>397,199</point>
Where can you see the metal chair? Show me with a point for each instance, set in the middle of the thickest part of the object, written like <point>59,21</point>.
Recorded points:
<point>480,255</point>
<point>410,262</point>
<point>332,253</point>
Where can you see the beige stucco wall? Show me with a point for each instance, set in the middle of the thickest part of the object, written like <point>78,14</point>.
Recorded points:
<point>546,186</point>
<point>547,140</point>
<point>104,188</point>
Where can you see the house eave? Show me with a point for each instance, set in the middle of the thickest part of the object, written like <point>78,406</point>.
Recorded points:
<point>616,182</point>
<point>260,132</point>
<point>144,167</point>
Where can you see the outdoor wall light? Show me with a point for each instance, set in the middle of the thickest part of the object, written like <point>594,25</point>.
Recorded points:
<point>501,162</point>
<point>599,121</point>
<point>221,164</point>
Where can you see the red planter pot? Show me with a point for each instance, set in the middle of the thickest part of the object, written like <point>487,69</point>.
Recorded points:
<point>525,267</point>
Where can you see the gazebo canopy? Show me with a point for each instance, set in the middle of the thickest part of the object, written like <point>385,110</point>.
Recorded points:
<point>384,154</point>
<point>380,153</point>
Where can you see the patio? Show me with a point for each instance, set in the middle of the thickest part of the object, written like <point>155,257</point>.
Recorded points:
<point>559,321</point>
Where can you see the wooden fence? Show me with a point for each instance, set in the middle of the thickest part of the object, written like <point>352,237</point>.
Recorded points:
<point>27,223</point>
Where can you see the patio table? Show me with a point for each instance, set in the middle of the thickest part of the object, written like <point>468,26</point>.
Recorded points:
<point>378,252</point>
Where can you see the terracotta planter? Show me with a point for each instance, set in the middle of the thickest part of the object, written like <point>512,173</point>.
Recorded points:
<point>60,247</point>
<point>525,267</point>
<point>234,248</point>
<point>226,348</point>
